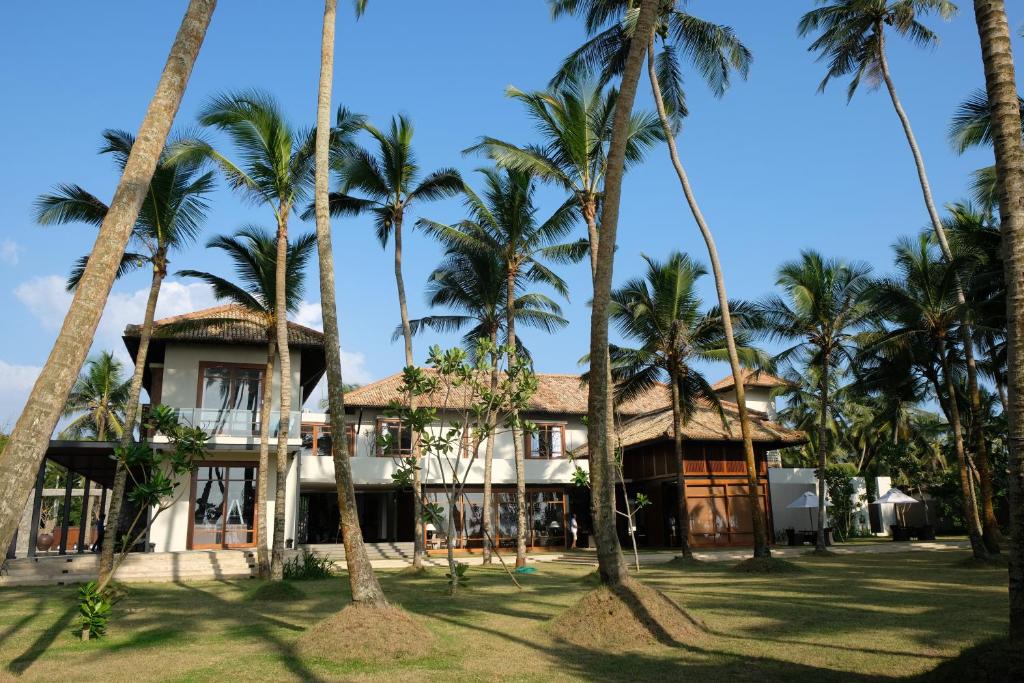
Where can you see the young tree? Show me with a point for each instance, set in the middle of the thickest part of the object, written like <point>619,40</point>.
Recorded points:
<point>27,446</point>
<point>390,182</point>
<point>99,401</point>
<point>363,582</point>
<point>852,40</point>
<point>169,219</point>
<point>253,251</point>
<point>1000,84</point>
<point>504,221</point>
<point>827,304</point>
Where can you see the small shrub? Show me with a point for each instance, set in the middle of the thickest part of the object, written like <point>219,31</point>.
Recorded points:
<point>309,565</point>
<point>93,611</point>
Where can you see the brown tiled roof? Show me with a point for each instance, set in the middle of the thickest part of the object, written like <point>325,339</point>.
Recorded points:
<point>228,324</point>
<point>751,378</point>
<point>563,394</point>
<point>705,425</point>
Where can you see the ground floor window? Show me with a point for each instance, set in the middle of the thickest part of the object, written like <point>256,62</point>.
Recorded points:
<point>223,506</point>
<point>545,519</point>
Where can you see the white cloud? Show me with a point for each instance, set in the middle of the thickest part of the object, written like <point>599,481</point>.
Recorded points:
<point>46,298</point>
<point>310,314</point>
<point>15,383</point>
<point>353,363</point>
<point>9,252</point>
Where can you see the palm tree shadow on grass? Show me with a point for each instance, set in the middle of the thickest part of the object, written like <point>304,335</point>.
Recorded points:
<point>22,662</point>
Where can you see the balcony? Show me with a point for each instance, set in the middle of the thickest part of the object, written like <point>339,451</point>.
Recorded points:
<point>236,423</point>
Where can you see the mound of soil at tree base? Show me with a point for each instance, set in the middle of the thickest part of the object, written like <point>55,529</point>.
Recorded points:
<point>275,591</point>
<point>993,660</point>
<point>766,565</point>
<point>626,617</point>
<point>366,633</point>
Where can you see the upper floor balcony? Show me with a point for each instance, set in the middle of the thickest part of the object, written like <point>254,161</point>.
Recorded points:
<point>244,424</point>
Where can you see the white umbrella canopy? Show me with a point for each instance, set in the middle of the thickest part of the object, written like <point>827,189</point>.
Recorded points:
<point>806,500</point>
<point>894,497</point>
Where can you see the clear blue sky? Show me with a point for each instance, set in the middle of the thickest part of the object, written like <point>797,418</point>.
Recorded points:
<point>776,166</point>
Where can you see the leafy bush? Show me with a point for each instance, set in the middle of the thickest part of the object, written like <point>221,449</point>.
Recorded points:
<point>309,565</point>
<point>94,608</point>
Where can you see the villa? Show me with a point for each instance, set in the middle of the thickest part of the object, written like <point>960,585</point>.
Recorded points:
<point>209,366</point>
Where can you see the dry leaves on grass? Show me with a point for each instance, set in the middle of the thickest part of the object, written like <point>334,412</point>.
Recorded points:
<point>366,633</point>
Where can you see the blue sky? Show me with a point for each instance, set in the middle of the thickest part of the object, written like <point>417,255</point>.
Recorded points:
<point>776,166</point>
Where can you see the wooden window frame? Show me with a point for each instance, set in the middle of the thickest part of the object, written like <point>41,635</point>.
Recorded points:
<point>396,453</point>
<point>528,441</point>
<point>205,365</point>
<point>322,428</point>
<point>194,479</point>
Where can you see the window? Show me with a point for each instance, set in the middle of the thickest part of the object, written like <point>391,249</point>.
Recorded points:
<point>316,439</point>
<point>468,438</point>
<point>224,506</point>
<point>548,441</point>
<point>400,438</point>
<point>229,397</point>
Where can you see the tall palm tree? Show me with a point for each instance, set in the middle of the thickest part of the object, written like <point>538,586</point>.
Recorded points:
<point>389,182</point>
<point>662,311</point>
<point>972,127</point>
<point>362,581</point>
<point>503,221</point>
<point>715,52</point>
<point>171,215</point>
<point>26,448</point>
<point>825,306</point>
<point>1000,84</point>
<point>472,284</point>
<point>99,401</point>
<point>253,252</point>
<point>851,39</point>
<point>276,170</point>
<point>575,123</point>
<point>922,309</point>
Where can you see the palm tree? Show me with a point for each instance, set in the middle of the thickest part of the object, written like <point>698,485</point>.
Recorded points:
<point>503,221</point>
<point>575,122</point>
<point>851,39</point>
<point>254,252</point>
<point>99,401</point>
<point>362,581</point>
<point>390,183</point>
<point>715,52</point>
<point>972,127</point>
<point>922,308</point>
<point>825,306</point>
<point>662,311</point>
<point>472,284</point>
<point>276,170</point>
<point>1000,84</point>
<point>26,448</point>
<point>171,215</point>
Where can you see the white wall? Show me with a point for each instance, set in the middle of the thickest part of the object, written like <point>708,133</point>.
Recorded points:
<point>758,398</point>
<point>789,483</point>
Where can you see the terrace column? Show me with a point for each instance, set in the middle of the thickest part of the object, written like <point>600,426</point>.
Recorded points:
<point>83,524</point>
<point>65,520</point>
<point>37,509</point>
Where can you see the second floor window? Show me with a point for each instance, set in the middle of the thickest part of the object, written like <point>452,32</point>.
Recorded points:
<point>316,439</point>
<point>400,438</point>
<point>547,442</point>
<point>230,387</point>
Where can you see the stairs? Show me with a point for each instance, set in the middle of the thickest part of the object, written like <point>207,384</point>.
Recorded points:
<point>375,551</point>
<point>196,565</point>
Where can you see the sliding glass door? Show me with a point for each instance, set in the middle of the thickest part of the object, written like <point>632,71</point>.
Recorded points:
<point>223,507</point>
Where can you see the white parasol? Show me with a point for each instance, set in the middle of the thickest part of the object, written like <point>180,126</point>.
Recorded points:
<point>806,500</point>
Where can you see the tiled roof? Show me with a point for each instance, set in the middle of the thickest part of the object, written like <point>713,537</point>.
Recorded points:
<point>751,378</point>
<point>563,394</point>
<point>229,324</point>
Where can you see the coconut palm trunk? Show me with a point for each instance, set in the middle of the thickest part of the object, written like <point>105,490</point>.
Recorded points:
<point>970,510</point>
<point>600,428</point>
<point>517,435</point>
<point>979,446</point>
<point>488,527</point>
<point>363,582</point>
<point>682,507</point>
<point>285,400</point>
<point>819,542</point>
<point>263,475</point>
<point>1000,81</point>
<point>107,568</point>
<point>760,523</point>
<point>26,448</point>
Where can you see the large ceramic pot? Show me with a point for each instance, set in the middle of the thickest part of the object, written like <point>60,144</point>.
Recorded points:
<point>44,541</point>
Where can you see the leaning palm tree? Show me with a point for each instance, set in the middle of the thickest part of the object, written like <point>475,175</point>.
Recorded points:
<point>276,170</point>
<point>388,183</point>
<point>1000,84</point>
<point>851,39</point>
<point>662,311</point>
<point>98,403</point>
<point>253,252</point>
<point>575,122</point>
<point>921,308</point>
<point>26,448</point>
<point>171,216</point>
<point>363,582</point>
<point>471,284</point>
<point>503,221</point>
<point>971,127</point>
<point>715,52</point>
<point>825,305</point>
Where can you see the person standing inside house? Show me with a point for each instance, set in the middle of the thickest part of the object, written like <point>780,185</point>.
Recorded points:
<point>574,529</point>
<point>100,529</point>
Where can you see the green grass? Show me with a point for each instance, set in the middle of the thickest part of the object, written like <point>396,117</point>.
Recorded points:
<point>853,617</point>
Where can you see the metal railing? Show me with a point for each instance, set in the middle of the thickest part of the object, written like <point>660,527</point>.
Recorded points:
<point>240,423</point>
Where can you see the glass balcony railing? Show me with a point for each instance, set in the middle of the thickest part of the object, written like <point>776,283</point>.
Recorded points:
<point>240,423</point>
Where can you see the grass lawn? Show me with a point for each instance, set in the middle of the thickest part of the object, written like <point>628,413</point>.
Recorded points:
<point>854,617</point>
